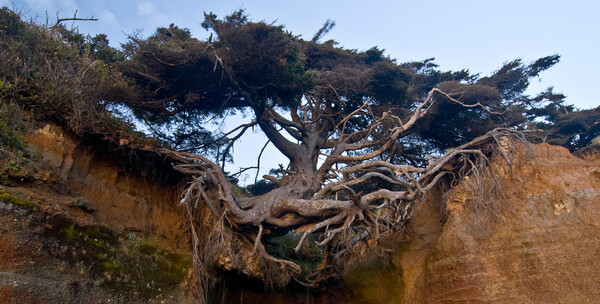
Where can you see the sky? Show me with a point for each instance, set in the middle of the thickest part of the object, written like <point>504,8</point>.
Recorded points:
<point>471,34</point>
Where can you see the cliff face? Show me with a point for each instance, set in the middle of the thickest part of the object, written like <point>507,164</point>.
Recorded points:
<point>87,229</point>
<point>535,241</point>
<point>121,198</point>
<point>84,228</point>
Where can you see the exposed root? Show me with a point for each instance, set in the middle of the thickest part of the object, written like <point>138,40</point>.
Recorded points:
<point>367,201</point>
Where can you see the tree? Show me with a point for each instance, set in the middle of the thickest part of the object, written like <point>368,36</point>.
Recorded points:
<point>365,136</point>
<point>562,124</point>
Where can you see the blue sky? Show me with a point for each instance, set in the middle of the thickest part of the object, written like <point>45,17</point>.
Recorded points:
<point>476,35</point>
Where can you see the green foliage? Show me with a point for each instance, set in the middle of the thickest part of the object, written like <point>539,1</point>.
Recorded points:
<point>11,198</point>
<point>560,123</point>
<point>308,257</point>
<point>261,187</point>
<point>575,130</point>
<point>182,82</point>
<point>70,232</point>
<point>14,154</point>
<point>10,130</point>
<point>57,74</point>
<point>168,266</point>
<point>256,66</point>
<point>98,47</point>
<point>512,79</point>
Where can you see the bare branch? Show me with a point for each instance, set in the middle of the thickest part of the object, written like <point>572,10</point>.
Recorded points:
<point>232,140</point>
<point>479,105</point>
<point>74,18</point>
<point>258,160</point>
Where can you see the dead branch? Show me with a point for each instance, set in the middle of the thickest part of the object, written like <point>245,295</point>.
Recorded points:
<point>74,18</point>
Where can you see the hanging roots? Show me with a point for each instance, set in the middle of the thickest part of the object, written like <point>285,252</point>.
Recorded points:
<point>336,218</point>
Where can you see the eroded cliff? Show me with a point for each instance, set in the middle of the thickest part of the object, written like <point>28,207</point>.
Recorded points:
<point>536,240</point>
<point>83,227</point>
<point>87,227</point>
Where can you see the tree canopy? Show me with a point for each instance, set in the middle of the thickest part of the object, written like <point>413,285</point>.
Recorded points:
<point>279,78</point>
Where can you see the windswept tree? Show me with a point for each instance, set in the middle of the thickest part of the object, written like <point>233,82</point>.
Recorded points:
<point>365,136</point>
